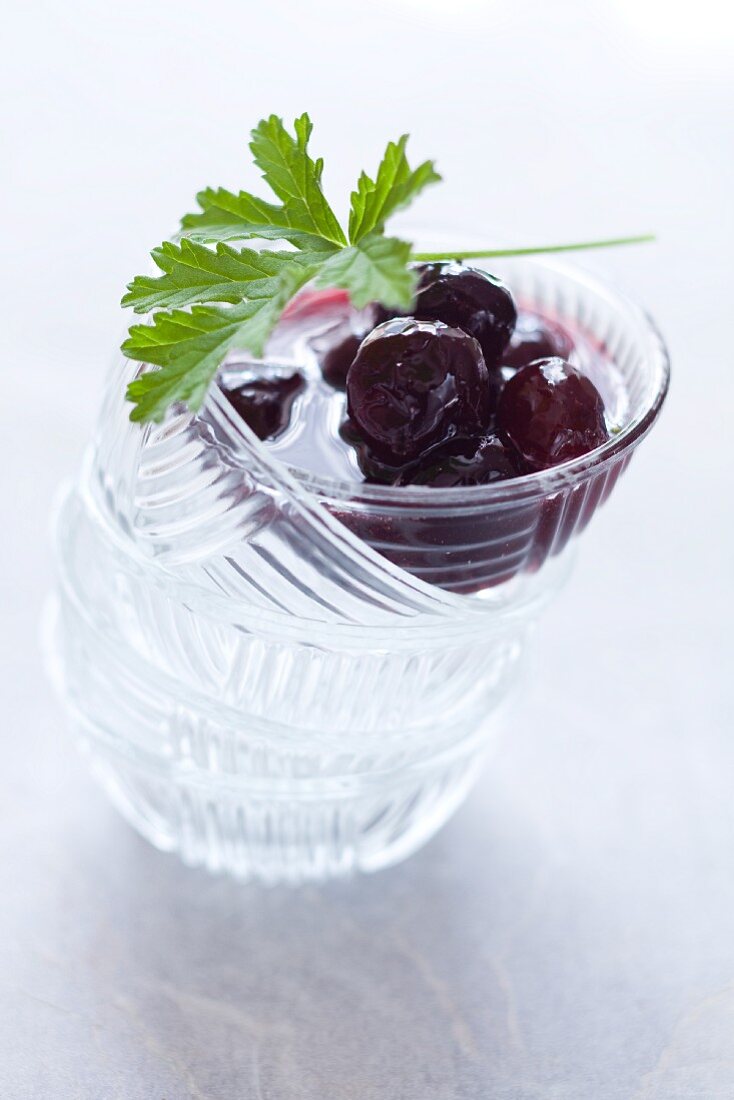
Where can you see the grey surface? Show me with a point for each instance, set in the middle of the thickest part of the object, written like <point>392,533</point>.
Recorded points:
<point>570,934</point>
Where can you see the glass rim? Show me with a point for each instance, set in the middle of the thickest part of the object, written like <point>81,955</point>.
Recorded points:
<point>526,486</point>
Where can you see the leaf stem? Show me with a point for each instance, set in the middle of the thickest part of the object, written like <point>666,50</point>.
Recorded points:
<point>580,246</point>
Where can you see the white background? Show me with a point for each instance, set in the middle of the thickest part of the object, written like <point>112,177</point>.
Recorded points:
<point>549,121</point>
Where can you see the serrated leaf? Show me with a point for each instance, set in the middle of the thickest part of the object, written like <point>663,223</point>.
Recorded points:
<point>294,176</point>
<point>394,187</point>
<point>305,218</point>
<point>374,270</point>
<point>189,346</point>
<point>228,217</point>
<point>195,274</point>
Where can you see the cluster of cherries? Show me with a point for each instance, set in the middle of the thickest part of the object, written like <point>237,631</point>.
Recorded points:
<point>451,395</point>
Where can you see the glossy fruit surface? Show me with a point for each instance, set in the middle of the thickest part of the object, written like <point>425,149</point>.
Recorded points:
<point>375,468</point>
<point>336,347</point>
<point>469,299</point>
<point>543,340</point>
<point>265,404</point>
<point>335,351</point>
<point>414,384</point>
<point>478,461</point>
<point>550,413</point>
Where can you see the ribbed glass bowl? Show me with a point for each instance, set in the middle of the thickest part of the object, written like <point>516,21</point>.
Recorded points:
<point>287,677</point>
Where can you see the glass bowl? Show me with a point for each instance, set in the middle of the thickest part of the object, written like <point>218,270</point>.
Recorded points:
<point>288,677</point>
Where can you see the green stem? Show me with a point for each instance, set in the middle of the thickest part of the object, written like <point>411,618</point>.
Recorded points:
<point>430,257</point>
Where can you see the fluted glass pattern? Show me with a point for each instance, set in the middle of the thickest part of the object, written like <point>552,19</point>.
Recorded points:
<point>285,677</point>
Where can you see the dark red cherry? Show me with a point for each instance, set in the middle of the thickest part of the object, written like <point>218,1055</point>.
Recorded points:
<point>335,351</point>
<point>337,346</point>
<point>469,299</point>
<point>464,462</point>
<point>414,384</point>
<point>550,412</point>
<point>543,340</point>
<point>265,404</point>
<point>375,468</point>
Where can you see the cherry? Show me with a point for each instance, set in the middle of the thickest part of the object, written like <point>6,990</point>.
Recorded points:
<point>335,351</point>
<point>337,346</point>
<point>550,412</point>
<point>543,341</point>
<point>265,404</point>
<point>469,299</point>
<point>464,462</point>
<point>375,469</point>
<point>414,384</point>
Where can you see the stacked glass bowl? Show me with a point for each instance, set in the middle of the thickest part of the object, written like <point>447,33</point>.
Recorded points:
<point>288,677</point>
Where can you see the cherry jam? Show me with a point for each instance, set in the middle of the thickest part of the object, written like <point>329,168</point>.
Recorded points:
<point>343,410</point>
<point>308,424</point>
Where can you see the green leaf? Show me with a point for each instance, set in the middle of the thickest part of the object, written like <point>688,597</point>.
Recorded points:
<point>195,274</point>
<point>294,177</point>
<point>394,187</point>
<point>374,270</point>
<point>228,217</point>
<point>304,217</point>
<point>189,346</point>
